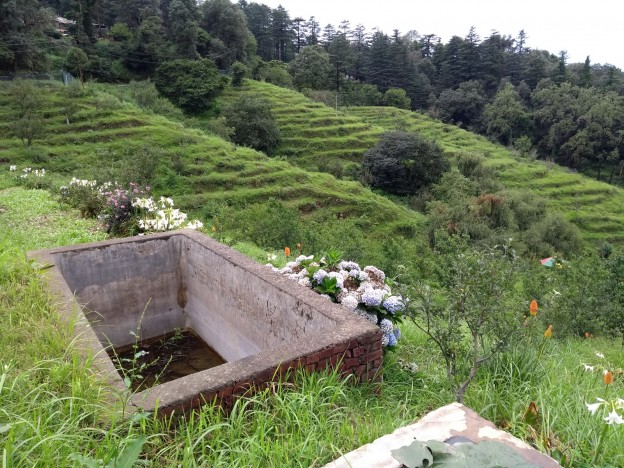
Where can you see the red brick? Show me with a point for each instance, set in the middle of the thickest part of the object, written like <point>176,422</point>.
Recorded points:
<point>375,346</point>
<point>378,362</point>
<point>378,354</point>
<point>360,370</point>
<point>358,351</point>
<point>325,353</point>
<point>224,392</point>
<point>334,359</point>
<point>313,358</point>
<point>310,368</point>
<point>342,347</point>
<point>353,362</point>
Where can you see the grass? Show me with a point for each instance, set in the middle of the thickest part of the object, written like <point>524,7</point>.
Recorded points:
<point>208,177</point>
<point>312,134</point>
<point>55,411</point>
<point>597,208</point>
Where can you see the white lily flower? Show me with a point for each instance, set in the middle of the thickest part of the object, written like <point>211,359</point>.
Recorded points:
<point>593,407</point>
<point>600,355</point>
<point>614,418</point>
<point>588,367</point>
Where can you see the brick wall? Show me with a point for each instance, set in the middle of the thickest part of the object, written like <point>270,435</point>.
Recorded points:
<point>362,357</point>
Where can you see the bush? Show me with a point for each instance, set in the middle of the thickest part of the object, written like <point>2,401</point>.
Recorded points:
<point>239,72</point>
<point>397,97</point>
<point>404,163</point>
<point>552,235</point>
<point>190,84</point>
<point>253,123</point>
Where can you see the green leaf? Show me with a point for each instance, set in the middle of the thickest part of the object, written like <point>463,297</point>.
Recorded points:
<point>81,460</point>
<point>130,454</point>
<point>414,455</point>
<point>127,382</point>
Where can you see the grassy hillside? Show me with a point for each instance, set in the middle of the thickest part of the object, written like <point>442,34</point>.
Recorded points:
<point>215,180</point>
<point>313,135</point>
<point>595,207</point>
<point>316,136</point>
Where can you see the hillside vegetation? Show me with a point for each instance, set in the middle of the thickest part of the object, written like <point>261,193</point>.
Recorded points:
<point>597,208</point>
<point>313,135</point>
<point>234,188</point>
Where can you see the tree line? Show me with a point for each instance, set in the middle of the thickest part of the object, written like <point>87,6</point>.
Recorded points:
<point>531,99</point>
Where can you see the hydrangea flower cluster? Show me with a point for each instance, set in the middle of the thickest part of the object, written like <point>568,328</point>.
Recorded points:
<point>161,216</point>
<point>361,290</point>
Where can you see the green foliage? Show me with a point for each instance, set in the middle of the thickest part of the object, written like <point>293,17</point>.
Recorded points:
<point>76,61</point>
<point>506,118</point>
<point>272,225</point>
<point>404,163</point>
<point>191,84</point>
<point>146,96</point>
<point>275,72</point>
<point>105,103</point>
<point>396,97</point>
<point>474,314</point>
<point>311,68</point>
<point>582,295</point>
<point>553,234</point>
<point>28,128</point>
<point>239,72</point>
<point>253,123</point>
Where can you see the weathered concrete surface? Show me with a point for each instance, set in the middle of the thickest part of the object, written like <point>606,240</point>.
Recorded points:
<point>442,424</point>
<point>259,321</point>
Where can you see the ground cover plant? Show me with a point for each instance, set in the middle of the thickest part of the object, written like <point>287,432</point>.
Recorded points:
<point>538,392</point>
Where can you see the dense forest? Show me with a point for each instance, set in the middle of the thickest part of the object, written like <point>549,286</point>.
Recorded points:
<point>530,99</point>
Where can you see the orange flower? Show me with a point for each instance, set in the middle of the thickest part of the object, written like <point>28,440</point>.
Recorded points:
<point>287,251</point>
<point>607,377</point>
<point>533,308</point>
<point>548,332</point>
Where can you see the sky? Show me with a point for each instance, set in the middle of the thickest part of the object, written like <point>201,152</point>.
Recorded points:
<point>582,28</point>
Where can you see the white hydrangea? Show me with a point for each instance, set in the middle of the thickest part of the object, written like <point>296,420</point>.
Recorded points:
<point>350,302</point>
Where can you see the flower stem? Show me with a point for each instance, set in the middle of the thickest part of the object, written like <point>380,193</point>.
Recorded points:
<point>599,447</point>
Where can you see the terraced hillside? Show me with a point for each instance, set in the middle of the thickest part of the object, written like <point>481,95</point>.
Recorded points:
<point>597,208</point>
<point>199,170</point>
<point>312,132</point>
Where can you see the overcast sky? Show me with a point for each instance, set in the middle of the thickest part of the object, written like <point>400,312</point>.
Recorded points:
<point>581,27</point>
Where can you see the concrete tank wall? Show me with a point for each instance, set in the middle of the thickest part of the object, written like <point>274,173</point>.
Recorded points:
<point>125,287</point>
<point>237,312</point>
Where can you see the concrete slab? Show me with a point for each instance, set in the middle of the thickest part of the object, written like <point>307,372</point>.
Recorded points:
<point>442,424</point>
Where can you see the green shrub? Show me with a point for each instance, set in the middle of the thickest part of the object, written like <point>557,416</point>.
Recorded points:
<point>192,85</point>
<point>253,122</point>
<point>404,163</point>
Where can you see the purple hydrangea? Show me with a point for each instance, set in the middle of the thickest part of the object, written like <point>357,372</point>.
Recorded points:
<point>386,326</point>
<point>394,304</point>
<point>348,266</point>
<point>397,333</point>
<point>385,339</point>
<point>373,297</point>
<point>392,340</point>
<point>370,316</point>
<point>319,276</point>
